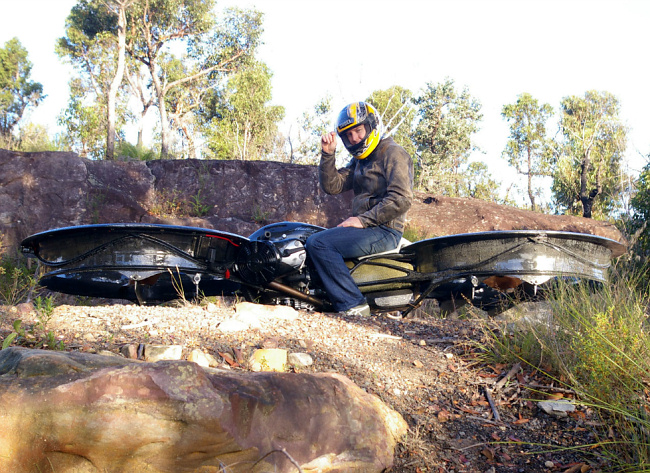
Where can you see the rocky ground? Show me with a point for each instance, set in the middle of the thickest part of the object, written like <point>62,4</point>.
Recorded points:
<point>466,414</point>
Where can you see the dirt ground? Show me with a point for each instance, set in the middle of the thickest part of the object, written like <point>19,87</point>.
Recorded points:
<point>465,414</point>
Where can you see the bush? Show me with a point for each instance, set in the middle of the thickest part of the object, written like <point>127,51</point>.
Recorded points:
<point>138,153</point>
<point>596,343</point>
<point>16,280</point>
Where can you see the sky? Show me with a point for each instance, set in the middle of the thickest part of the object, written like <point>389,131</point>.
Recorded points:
<point>497,49</point>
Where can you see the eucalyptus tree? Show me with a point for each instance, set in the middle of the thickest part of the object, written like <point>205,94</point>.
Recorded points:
<point>397,110</point>
<point>528,149</point>
<point>137,76</point>
<point>213,48</point>
<point>443,136</point>
<point>640,203</point>
<point>479,183</point>
<point>17,91</point>
<point>594,141</point>
<point>82,121</point>
<point>149,32</point>
<point>94,44</point>
<point>312,125</point>
<point>240,121</point>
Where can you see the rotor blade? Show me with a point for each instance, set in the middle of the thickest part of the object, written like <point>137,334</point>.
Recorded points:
<point>531,255</point>
<point>106,260</point>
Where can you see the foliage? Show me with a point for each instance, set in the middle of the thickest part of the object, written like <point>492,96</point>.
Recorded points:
<point>312,126</point>
<point>135,152</point>
<point>84,123</point>
<point>528,149</point>
<point>395,106</point>
<point>16,280</point>
<point>594,141</point>
<point>241,123</point>
<point>412,233</point>
<point>99,33</point>
<point>260,216</point>
<point>596,343</point>
<point>173,204</point>
<point>641,205</point>
<point>33,137</point>
<point>97,109</point>
<point>199,208</point>
<point>478,183</point>
<point>447,120</point>
<point>37,335</point>
<point>17,91</point>
<point>214,50</point>
<point>30,138</point>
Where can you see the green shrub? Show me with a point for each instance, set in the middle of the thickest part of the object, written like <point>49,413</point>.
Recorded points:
<point>139,153</point>
<point>596,343</point>
<point>16,280</point>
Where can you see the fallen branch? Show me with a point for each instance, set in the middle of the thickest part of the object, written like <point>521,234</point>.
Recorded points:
<point>493,406</point>
<point>499,385</point>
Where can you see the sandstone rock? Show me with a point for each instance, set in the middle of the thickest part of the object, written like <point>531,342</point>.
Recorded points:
<point>202,359</point>
<point>153,353</point>
<point>73,412</point>
<point>129,351</point>
<point>300,360</point>
<point>269,359</point>
<point>45,190</point>
<point>557,408</point>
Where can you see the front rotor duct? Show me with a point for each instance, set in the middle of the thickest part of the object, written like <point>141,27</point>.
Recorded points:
<point>257,262</point>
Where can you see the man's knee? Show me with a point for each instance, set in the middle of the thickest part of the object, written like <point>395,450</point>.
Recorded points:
<point>314,243</point>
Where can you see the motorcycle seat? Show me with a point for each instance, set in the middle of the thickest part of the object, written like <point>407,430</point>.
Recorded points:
<point>402,243</point>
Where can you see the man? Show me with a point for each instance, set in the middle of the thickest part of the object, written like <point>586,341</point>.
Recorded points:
<point>381,175</point>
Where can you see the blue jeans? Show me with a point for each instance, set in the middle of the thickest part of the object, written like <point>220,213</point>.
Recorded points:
<point>329,249</point>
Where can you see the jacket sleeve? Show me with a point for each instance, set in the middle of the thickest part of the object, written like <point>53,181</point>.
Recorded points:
<point>398,197</point>
<point>334,181</point>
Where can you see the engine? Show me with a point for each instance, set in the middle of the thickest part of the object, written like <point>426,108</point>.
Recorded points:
<point>274,251</point>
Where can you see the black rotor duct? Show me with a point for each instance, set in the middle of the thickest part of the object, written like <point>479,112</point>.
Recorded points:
<point>258,262</point>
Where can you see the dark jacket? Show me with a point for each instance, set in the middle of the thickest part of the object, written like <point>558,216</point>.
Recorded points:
<point>382,183</point>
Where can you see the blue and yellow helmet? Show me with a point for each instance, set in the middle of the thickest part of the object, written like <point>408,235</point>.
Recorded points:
<point>360,113</point>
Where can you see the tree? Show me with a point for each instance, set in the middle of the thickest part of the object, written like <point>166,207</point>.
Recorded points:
<point>155,25</point>
<point>594,141</point>
<point>81,121</point>
<point>119,8</point>
<point>396,108</point>
<point>479,184</point>
<point>240,122</point>
<point>95,46</point>
<point>641,205</point>
<point>136,76</point>
<point>447,120</point>
<point>312,126</point>
<point>528,149</point>
<point>17,91</point>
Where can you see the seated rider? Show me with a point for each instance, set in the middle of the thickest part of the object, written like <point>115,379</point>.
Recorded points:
<point>381,175</point>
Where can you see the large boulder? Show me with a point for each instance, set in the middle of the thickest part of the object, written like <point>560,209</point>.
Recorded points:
<point>46,190</point>
<point>440,216</point>
<point>83,413</point>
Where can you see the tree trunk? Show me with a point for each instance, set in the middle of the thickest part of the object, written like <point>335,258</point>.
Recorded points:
<point>586,198</point>
<point>162,110</point>
<point>531,194</point>
<point>117,79</point>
